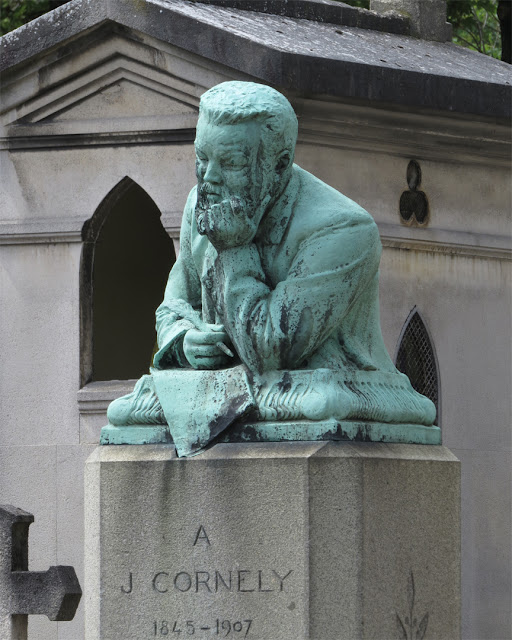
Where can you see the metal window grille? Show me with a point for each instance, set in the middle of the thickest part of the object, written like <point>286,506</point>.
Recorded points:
<point>416,359</point>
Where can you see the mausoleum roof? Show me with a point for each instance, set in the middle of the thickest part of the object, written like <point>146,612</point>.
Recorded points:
<point>374,61</point>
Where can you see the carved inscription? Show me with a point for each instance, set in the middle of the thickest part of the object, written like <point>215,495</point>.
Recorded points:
<point>201,535</point>
<point>215,581</point>
<point>129,588</point>
<point>169,583</point>
<point>219,627</point>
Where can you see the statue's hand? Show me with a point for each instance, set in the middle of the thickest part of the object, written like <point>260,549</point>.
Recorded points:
<point>227,224</point>
<point>201,350</point>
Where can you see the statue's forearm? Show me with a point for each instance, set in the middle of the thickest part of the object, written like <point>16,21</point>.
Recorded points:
<point>270,328</point>
<point>280,328</point>
<point>170,353</point>
<point>240,301</point>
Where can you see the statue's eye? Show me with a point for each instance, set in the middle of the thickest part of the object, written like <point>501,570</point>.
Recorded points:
<point>234,162</point>
<point>200,157</point>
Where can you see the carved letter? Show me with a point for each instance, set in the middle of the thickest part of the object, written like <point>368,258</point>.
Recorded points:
<point>260,588</point>
<point>281,579</point>
<point>188,581</point>
<point>205,582</point>
<point>201,535</point>
<point>219,578</point>
<point>155,585</point>
<point>241,579</point>
<point>129,590</point>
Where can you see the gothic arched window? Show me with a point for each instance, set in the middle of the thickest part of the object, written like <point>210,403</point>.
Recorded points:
<point>126,258</point>
<point>416,358</point>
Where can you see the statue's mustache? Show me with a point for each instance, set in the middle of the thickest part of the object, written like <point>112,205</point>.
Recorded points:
<point>206,188</point>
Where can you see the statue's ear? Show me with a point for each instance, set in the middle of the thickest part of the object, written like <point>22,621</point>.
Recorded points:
<point>283,162</point>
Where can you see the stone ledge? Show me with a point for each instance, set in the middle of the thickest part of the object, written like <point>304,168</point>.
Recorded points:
<point>263,450</point>
<point>96,396</point>
<point>93,400</point>
<point>396,236</point>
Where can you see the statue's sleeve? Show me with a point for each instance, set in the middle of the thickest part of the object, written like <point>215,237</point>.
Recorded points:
<point>182,299</point>
<point>280,328</point>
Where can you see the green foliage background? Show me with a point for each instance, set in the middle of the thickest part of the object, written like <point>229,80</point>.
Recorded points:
<point>475,23</point>
<point>14,13</point>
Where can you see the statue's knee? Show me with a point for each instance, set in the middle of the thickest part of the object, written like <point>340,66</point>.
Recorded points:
<point>119,410</point>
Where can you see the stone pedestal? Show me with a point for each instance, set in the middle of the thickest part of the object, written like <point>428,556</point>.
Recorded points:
<point>274,541</point>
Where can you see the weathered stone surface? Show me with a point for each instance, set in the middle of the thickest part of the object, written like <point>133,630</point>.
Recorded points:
<point>276,541</point>
<point>427,18</point>
<point>54,593</point>
<point>301,55</point>
<point>322,11</point>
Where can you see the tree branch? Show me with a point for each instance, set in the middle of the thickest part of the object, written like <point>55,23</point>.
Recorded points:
<point>481,47</point>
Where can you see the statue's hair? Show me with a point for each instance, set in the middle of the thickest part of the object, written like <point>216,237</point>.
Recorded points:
<point>236,102</point>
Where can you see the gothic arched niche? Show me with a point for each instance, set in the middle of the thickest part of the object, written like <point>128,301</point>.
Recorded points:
<point>415,356</point>
<point>126,259</point>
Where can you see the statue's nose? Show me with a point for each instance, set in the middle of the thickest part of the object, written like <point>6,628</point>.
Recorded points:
<point>212,174</point>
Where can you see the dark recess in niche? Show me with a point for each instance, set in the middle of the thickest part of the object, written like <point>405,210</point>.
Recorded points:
<point>126,259</point>
<point>414,209</point>
<point>416,358</point>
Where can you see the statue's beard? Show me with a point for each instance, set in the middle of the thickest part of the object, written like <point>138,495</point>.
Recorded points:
<point>208,195</point>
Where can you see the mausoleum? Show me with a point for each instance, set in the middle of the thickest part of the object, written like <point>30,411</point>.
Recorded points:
<point>99,107</point>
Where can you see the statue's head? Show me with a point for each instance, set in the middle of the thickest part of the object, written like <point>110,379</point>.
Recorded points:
<point>245,144</point>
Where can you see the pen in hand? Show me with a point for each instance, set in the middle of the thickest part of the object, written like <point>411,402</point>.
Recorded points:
<point>226,350</point>
<point>190,314</point>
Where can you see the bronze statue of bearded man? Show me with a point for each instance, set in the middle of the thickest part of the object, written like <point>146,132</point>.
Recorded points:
<point>269,328</point>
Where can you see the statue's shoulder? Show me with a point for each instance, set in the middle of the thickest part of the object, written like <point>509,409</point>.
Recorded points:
<point>188,212</point>
<point>323,214</point>
<point>190,205</point>
<point>320,204</point>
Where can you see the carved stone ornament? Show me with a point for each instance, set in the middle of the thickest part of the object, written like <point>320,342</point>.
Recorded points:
<point>54,593</point>
<point>269,328</point>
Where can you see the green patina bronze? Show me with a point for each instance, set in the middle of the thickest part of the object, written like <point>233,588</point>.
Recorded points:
<point>269,328</point>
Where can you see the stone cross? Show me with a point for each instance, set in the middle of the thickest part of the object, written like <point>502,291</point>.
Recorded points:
<point>54,593</point>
